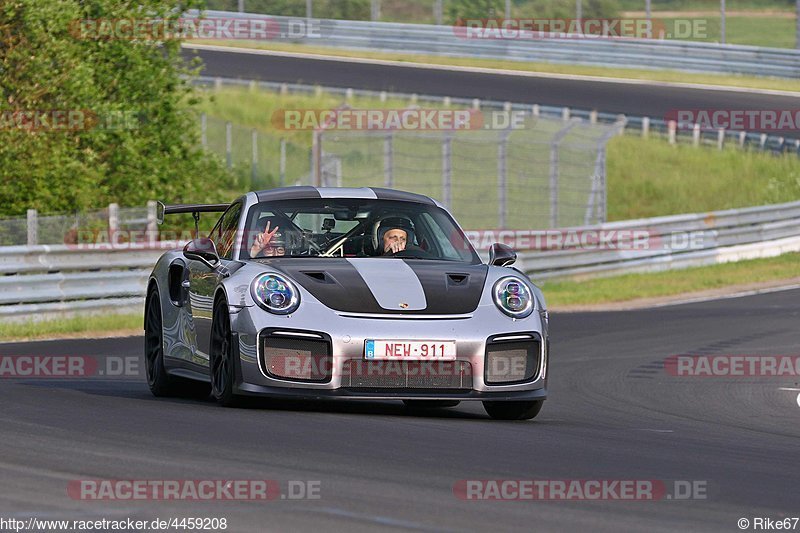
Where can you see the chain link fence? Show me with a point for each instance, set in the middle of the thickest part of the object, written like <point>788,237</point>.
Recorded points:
<point>74,228</point>
<point>548,173</point>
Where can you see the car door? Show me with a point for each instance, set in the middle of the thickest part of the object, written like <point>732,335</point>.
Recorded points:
<point>203,281</point>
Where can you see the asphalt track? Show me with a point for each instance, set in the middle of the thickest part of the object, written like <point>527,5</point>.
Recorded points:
<point>611,97</point>
<point>613,413</point>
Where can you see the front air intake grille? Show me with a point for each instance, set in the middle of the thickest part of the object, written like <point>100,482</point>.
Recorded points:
<point>513,361</point>
<point>454,375</point>
<point>296,358</point>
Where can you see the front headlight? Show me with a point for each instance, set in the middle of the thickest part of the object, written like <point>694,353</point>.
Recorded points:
<point>276,294</point>
<point>513,297</point>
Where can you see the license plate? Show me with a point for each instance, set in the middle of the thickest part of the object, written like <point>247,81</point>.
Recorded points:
<point>410,350</point>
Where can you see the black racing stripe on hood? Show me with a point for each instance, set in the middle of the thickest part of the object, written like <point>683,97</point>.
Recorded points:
<point>341,288</point>
<point>450,288</point>
<point>338,285</point>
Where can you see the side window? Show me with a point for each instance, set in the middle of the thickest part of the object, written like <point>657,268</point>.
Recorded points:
<point>224,234</point>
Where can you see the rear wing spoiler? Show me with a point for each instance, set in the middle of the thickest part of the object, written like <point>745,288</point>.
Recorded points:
<point>194,209</point>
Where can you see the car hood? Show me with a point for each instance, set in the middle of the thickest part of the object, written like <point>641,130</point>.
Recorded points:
<point>388,285</point>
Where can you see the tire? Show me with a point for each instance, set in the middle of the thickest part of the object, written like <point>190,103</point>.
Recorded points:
<point>160,383</point>
<point>430,404</point>
<point>513,410</point>
<point>221,365</point>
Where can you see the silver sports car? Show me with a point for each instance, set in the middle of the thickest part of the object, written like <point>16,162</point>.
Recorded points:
<point>369,293</point>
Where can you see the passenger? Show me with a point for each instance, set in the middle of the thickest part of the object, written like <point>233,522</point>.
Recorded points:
<point>268,244</point>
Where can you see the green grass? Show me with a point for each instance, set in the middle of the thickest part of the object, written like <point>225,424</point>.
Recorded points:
<point>634,286</point>
<point>730,80</point>
<point>649,177</point>
<point>79,326</point>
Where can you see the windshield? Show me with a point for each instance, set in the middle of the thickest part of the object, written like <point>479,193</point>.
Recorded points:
<point>344,227</point>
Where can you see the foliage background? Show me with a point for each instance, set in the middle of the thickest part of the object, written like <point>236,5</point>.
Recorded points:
<point>43,67</point>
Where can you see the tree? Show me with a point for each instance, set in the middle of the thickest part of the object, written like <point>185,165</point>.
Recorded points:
<point>129,134</point>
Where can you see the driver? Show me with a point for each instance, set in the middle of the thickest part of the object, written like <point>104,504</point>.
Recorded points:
<point>394,235</point>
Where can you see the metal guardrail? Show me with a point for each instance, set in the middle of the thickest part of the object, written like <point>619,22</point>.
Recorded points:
<point>644,126</point>
<point>41,281</point>
<point>621,52</point>
<point>671,242</point>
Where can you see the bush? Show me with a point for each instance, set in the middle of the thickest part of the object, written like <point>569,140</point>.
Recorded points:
<point>151,150</point>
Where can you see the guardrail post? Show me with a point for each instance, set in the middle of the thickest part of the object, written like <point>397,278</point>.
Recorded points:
<point>502,178</point>
<point>438,12</point>
<point>33,227</point>
<point>696,135</point>
<point>645,127</point>
<point>414,98</point>
<point>447,168</point>
<point>535,111</point>
<point>375,10</point>
<point>593,116</point>
<point>252,86</point>
<point>565,113</point>
<point>382,96</point>
<point>476,103</point>
<point>446,101</point>
<point>229,144</point>
<point>217,83</point>
<point>282,163</point>
<point>388,161</point>
<point>113,221</point>
<point>254,162</point>
<point>241,6</point>
<point>742,138</point>
<point>284,90</point>
<point>316,156</point>
<point>557,138</point>
<point>348,94</point>
<point>204,130</point>
<point>151,233</point>
<point>763,142</point>
<point>317,91</point>
<point>672,127</point>
<point>720,138</point>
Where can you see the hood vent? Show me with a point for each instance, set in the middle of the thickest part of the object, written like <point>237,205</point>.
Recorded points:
<point>319,276</point>
<point>457,279</point>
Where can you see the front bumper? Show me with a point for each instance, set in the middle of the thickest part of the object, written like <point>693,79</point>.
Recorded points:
<point>347,336</point>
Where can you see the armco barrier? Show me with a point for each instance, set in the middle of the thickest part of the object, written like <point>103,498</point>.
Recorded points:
<point>620,52</point>
<point>41,281</point>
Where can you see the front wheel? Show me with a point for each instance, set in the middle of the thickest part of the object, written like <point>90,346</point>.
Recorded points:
<point>513,410</point>
<point>221,365</point>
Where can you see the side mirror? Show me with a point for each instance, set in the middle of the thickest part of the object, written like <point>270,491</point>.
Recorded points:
<point>501,255</point>
<point>160,209</point>
<point>203,250</point>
